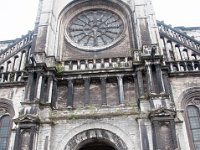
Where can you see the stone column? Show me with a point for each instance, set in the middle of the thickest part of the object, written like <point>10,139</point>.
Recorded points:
<point>188,54</point>
<point>110,62</point>
<point>173,48</point>
<point>126,62</point>
<point>118,62</point>
<point>120,89</point>
<point>94,64</point>
<point>186,67</point>
<point>193,67</point>
<point>140,83</point>
<point>78,64</point>
<point>43,93</point>
<point>103,90</point>
<point>22,62</point>
<point>2,77</point>
<point>50,88</point>
<point>14,64</point>
<point>176,52</point>
<point>54,96</point>
<point>70,65</point>
<point>167,49</point>
<point>87,90</point>
<point>178,64</point>
<point>102,63</point>
<point>180,52</point>
<point>160,79</point>
<point>38,86</point>
<point>70,93</point>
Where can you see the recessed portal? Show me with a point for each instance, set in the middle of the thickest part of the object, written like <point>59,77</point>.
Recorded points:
<point>96,139</point>
<point>97,145</point>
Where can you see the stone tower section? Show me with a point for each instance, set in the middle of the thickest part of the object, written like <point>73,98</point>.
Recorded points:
<point>95,76</point>
<point>95,67</point>
<point>100,74</point>
<point>136,21</point>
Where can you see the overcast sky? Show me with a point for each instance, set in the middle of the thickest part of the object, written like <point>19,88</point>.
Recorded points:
<point>18,16</point>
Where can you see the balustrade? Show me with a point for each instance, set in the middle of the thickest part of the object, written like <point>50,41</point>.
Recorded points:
<point>104,63</point>
<point>182,52</point>
<point>179,37</point>
<point>16,46</point>
<point>184,66</point>
<point>177,52</point>
<point>6,77</point>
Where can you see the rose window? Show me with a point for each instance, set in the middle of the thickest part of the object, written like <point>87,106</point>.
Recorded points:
<point>95,29</point>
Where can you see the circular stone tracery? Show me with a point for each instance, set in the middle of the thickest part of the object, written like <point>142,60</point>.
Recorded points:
<point>95,29</point>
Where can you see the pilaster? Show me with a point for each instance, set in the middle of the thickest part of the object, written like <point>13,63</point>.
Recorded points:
<point>120,89</point>
<point>70,93</point>
<point>103,90</point>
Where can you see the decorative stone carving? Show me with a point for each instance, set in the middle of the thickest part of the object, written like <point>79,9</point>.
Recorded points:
<point>162,112</point>
<point>103,135</point>
<point>196,101</point>
<point>27,119</point>
<point>164,128</point>
<point>6,106</point>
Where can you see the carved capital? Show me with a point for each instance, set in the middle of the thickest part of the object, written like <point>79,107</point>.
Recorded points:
<point>162,112</point>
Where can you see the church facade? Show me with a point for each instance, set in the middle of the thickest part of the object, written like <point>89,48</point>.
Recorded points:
<point>100,74</point>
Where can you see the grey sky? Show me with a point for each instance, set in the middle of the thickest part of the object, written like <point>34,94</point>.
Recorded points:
<point>178,12</point>
<point>18,16</point>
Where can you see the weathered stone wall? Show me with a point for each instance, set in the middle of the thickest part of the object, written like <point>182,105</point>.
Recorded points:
<point>143,30</point>
<point>16,96</point>
<point>95,93</point>
<point>61,125</point>
<point>138,105</point>
<point>125,127</point>
<point>179,85</point>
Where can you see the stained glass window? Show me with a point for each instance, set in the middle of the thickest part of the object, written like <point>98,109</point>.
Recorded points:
<point>4,131</point>
<point>193,116</point>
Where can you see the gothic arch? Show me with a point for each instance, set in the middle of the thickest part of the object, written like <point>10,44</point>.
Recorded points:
<point>82,4</point>
<point>84,137</point>
<point>190,103</point>
<point>187,96</point>
<point>7,106</point>
<point>105,132</point>
<point>6,115</point>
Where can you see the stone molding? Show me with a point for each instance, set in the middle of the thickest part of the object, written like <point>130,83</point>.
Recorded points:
<point>93,125</point>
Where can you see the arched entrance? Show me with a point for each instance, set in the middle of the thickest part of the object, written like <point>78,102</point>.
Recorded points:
<point>97,145</point>
<point>96,139</point>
